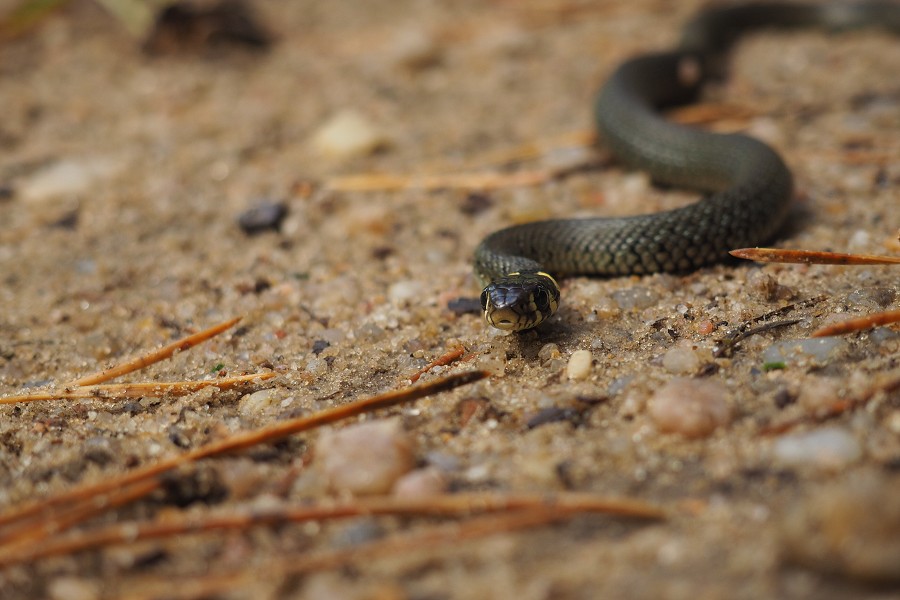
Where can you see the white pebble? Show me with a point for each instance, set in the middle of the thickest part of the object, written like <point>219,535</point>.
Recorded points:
<point>70,177</point>
<point>316,366</point>
<point>579,366</point>
<point>258,403</point>
<point>348,134</point>
<point>493,363</point>
<point>827,448</point>
<point>403,291</point>
<point>635,298</point>
<point>421,482</point>
<point>691,407</point>
<point>367,458</point>
<point>681,361</point>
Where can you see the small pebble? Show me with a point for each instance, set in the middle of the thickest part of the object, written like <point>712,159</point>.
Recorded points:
<point>475,204</point>
<point>705,327</point>
<point>405,291</point>
<point>414,49</point>
<point>317,366</point>
<point>828,448</point>
<point>421,482</point>
<point>767,287</point>
<point>580,364</point>
<point>850,527</point>
<point>258,403</point>
<point>348,134</point>
<point>874,298</point>
<point>551,414</point>
<point>367,458</point>
<point>493,363</point>
<point>70,177</point>
<point>548,352</point>
<point>860,240</point>
<point>816,350</point>
<point>264,216</point>
<point>681,361</point>
<point>817,393</point>
<point>606,308</point>
<point>692,407</point>
<point>635,298</point>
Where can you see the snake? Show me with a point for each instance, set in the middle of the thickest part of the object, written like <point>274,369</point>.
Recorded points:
<point>746,187</point>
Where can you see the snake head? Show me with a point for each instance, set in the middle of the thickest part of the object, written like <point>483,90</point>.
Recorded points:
<point>520,301</point>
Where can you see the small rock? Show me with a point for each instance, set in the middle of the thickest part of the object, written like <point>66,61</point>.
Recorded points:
<point>818,393</point>
<point>873,298</point>
<point>493,363</point>
<point>475,204</point>
<point>767,287</point>
<point>414,49</point>
<point>551,414</point>
<point>793,352</point>
<point>359,531</point>
<point>401,292</point>
<point>850,527</point>
<point>579,366</point>
<point>70,177</point>
<point>421,482</point>
<point>606,308</point>
<point>264,216</point>
<point>691,407</point>
<point>681,361</point>
<point>367,458</point>
<point>316,366</point>
<point>348,134</point>
<point>258,403</point>
<point>635,298</point>
<point>829,448</point>
<point>548,352</point>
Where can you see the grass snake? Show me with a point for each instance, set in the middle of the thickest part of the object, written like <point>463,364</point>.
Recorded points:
<point>748,187</point>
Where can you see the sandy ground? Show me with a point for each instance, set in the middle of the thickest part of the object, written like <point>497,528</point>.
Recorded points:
<point>123,176</point>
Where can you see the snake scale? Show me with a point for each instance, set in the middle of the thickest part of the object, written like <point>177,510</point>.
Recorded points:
<point>748,187</point>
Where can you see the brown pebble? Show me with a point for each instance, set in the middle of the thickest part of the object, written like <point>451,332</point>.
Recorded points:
<point>421,482</point>
<point>691,407</point>
<point>367,458</point>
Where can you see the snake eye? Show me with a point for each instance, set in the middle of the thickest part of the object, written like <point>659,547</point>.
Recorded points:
<point>542,298</point>
<point>484,299</point>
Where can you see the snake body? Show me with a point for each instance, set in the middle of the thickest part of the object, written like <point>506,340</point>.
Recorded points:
<point>748,187</point>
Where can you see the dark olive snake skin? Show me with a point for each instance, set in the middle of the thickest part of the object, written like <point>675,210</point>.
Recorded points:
<point>748,185</point>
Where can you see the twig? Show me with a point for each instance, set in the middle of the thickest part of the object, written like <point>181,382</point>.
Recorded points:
<point>726,345</point>
<point>812,257</point>
<point>442,505</point>
<point>891,384</point>
<point>118,391</point>
<point>851,325</point>
<point>239,441</point>
<point>436,537</point>
<point>464,181</point>
<point>156,355</point>
<point>440,361</point>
